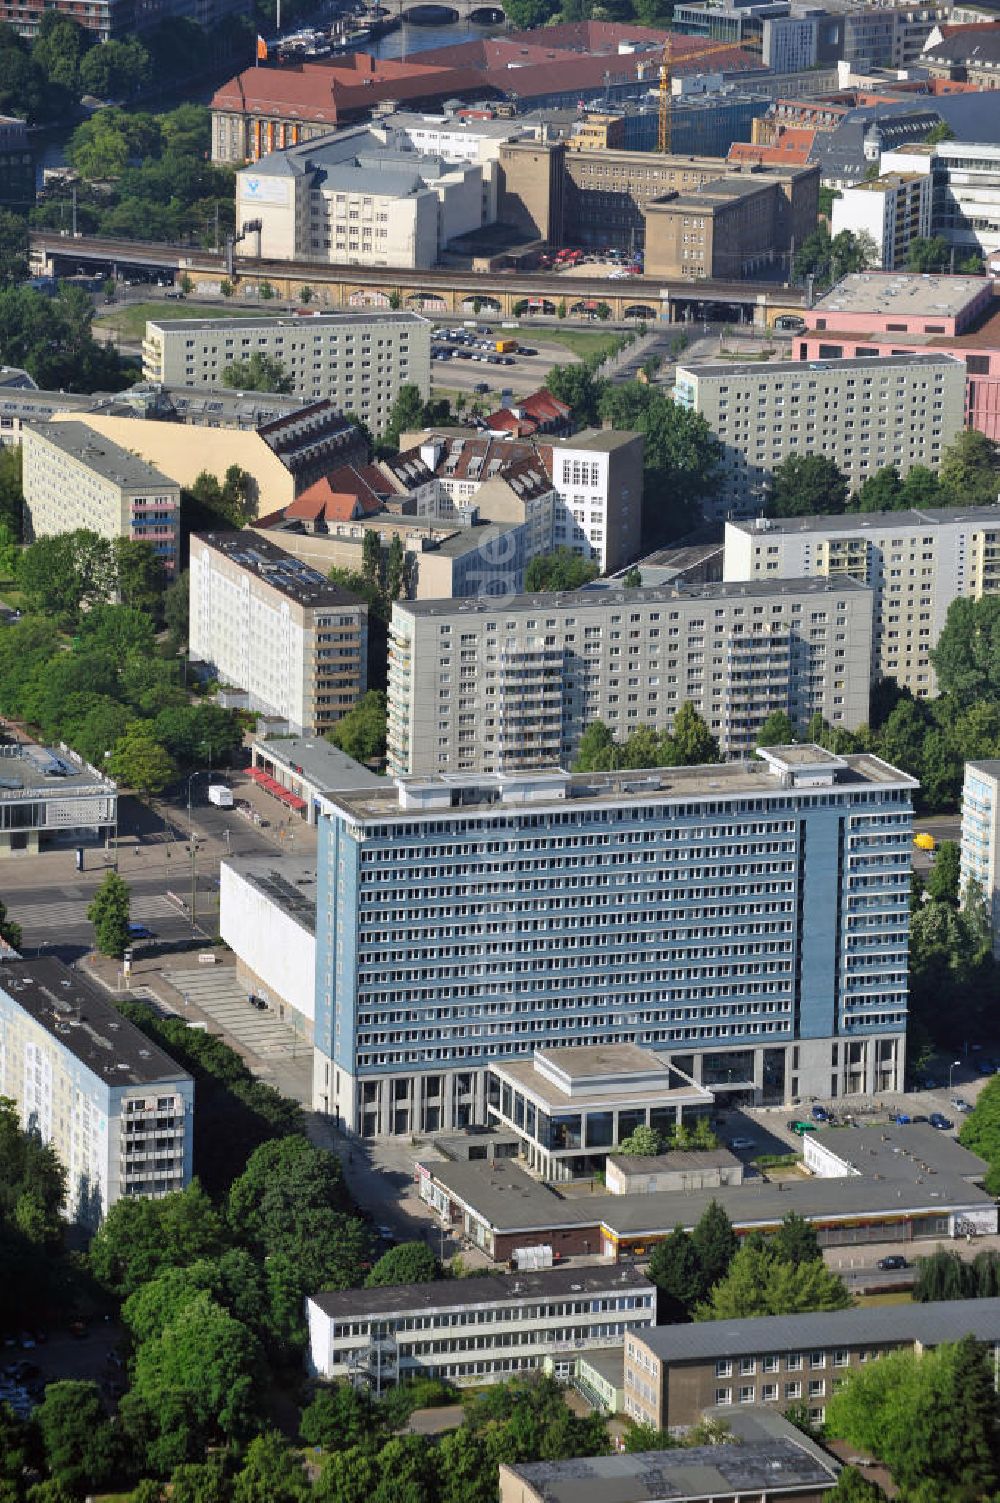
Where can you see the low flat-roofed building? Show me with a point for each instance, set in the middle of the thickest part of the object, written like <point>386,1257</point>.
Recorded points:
<point>674,1373</point>
<point>299,770</point>
<point>49,796</point>
<point>767,1459</point>
<point>596,1375</point>
<point>680,1169</point>
<point>570,1106</point>
<point>475,1330</point>
<point>906,1184</point>
<point>118,1112</point>
<point>267,917</point>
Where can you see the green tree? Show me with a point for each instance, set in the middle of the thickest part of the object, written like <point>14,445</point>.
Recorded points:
<point>632,578</point>
<point>200,1375</point>
<point>371,558</point>
<point>928,254</point>
<point>642,1141</point>
<point>139,761</point>
<point>942,1275</point>
<point>921,488</point>
<point>681,456</point>
<point>970,470</point>
<point>338,1416</point>
<point>853,1486</point>
<point>361,733</point>
<point>405,415</point>
<point>272,1473</point>
<point>259,372</point>
<point>11,492</point>
<point>59,46</point>
<point>967,655</point>
<point>715,1244</point>
<point>882,491</point>
<point>675,1269</point>
<point>9,931</point>
<point>79,1443</point>
<point>64,575</point>
<point>395,569</point>
<point>200,1482</point>
<point>806,485</point>
<point>932,1418</point>
<point>940,132</point>
<point>777,730</point>
<point>409,1263</point>
<point>562,569</point>
<point>942,884</point>
<point>693,741</point>
<point>140,1238</point>
<point>577,386</point>
<point>597,749</point>
<point>760,1282</point>
<point>108,911</point>
<point>795,1241</point>
<point>115,70</point>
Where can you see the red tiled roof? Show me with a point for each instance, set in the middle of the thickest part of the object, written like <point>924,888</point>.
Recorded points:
<point>791,145</point>
<point>505,421</point>
<point>337,497</point>
<point>576,56</point>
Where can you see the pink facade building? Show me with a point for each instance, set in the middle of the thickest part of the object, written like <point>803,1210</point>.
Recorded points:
<point>902,313</point>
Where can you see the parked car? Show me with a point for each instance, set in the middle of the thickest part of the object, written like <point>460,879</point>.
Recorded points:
<point>820,1114</point>
<point>893,1260</point>
<point>938,1120</point>
<point>959,1104</point>
<point>742,1143</point>
<point>140,931</point>
<point>801,1127</point>
<point>900,1118</point>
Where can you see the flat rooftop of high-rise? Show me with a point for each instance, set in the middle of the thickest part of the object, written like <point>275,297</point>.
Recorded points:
<point>722,370</point>
<point>300,322</point>
<point>611,593</point>
<point>282,571</point>
<point>416,797</point>
<point>87,1025</point>
<point>901,292</point>
<point>870,521</point>
<point>79,441</point>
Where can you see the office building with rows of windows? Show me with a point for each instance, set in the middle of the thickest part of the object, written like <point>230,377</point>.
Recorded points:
<point>475,1331</point>
<point>748,921</point>
<point>981,837</point>
<point>916,563</point>
<point>903,410</point>
<point>674,1373</point>
<point>358,361</point>
<point>491,685</point>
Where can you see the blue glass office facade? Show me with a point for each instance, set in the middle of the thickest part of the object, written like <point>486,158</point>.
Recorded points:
<point>752,928</point>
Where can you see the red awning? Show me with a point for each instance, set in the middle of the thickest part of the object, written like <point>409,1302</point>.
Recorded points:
<point>265,781</point>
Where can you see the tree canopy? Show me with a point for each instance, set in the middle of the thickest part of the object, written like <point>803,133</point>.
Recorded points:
<point>562,569</point>
<point>806,485</point>
<point>689,744</point>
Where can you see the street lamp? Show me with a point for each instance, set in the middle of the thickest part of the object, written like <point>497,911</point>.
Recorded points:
<point>951,1070</point>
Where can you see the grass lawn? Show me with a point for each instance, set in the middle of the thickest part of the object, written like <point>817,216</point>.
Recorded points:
<point>896,1297</point>
<point>580,341</point>
<point>129,321</point>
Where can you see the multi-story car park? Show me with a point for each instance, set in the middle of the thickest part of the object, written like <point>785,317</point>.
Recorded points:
<point>673,1373</point>
<point>358,361</point>
<point>916,562</point>
<point>748,921</point>
<point>904,411</point>
<point>474,1331</point>
<point>116,1110</point>
<point>494,685</point>
<point>276,628</point>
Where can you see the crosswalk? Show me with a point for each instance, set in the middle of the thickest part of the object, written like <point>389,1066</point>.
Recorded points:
<point>71,913</point>
<point>220,997</point>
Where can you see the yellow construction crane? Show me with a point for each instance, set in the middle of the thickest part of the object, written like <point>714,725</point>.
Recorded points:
<point>666,72</point>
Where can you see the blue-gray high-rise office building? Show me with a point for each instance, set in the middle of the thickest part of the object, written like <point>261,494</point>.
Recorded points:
<point>748,920</point>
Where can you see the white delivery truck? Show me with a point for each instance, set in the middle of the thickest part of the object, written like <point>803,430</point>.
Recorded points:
<point>220,795</point>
